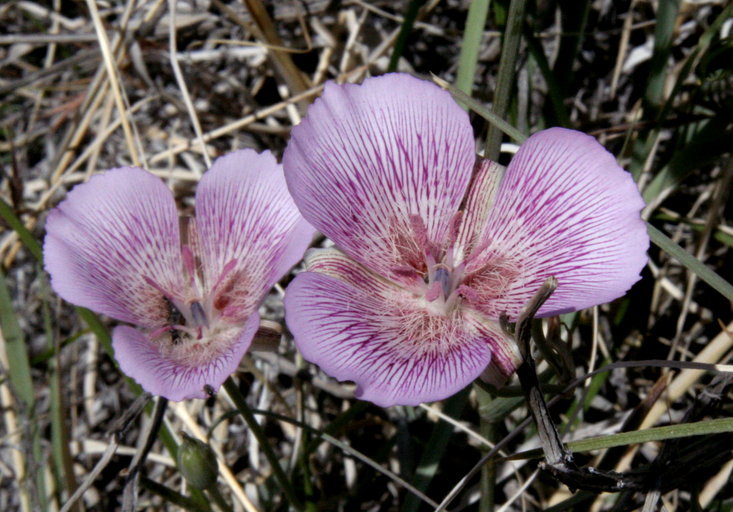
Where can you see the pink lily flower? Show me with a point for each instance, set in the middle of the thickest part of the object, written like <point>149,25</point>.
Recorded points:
<point>435,244</point>
<point>114,245</point>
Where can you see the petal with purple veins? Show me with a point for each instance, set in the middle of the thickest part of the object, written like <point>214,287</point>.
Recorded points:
<point>175,371</point>
<point>381,168</point>
<point>566,209</point>
<point>249,231</point>
<point>505,356</point>
<point>109,238</point>
<point>397,347</point>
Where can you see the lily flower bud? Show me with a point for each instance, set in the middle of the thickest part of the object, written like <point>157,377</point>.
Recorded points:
<point>197,463</point>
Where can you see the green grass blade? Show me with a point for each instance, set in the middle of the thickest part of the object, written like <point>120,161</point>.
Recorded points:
<point>244,410</point>
<point>63,461</point>
<point>644,145</point>
<point>663,35</point>
<point>7,213</point>
<point>91,319</point>
<point>505,79</point>
<point>405,29</point>
<point>169,495</point>
<point>19,373</point>
<point>478,11</point>
<point>705,146</point>
<point>101,332</point>
<point>574,18</point>
<point>699,428</point>
<point>347,449</point>
<point>559,113</point>
<point>19,369</point>
<point>693,264</point>
<point>464,99</point>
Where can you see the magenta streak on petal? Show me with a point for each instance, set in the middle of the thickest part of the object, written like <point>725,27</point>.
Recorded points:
<point>114,245</point>
<point>367,158</point>
<point>157,373</point>
<point>249,230</point>
<point>394,348</point>
<point>189,263</point>
<point>566,209</point>
<point>357,323</point>
<point>409,311</point>
<point>106,236</point>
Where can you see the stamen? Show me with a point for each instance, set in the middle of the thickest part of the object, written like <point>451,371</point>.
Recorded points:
<point>421,232</point>
<point>433,292</point>
<point>199,315</point>
<point>443,277</point>
<point>231,264</point>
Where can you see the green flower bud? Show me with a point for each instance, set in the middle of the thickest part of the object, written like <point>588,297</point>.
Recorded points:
<point>197,463</point>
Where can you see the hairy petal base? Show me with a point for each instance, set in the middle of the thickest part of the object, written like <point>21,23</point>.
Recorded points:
<point>394,345</point>
<point>115,245</point>
<point>167,372</point>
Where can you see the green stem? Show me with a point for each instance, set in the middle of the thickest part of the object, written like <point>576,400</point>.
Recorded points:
<point>487,483</point>
<point>63,460</point>
<point>505,79</point>
<point>241,404</point>
<point>216,495</point>
<point>172,497</point>
<point>475,22</point>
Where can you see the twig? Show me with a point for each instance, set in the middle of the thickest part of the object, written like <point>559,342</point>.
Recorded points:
<point>109,63</point>
<point>558,459</point>
<point>117,432</point>
<point>182,82</point>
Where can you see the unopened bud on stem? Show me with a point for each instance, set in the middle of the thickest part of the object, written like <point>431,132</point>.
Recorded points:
<point>197,463</point>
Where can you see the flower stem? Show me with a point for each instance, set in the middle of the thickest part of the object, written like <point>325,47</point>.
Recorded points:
<point>241,404</point>
<point>488,470</point>
<point>221,503</point>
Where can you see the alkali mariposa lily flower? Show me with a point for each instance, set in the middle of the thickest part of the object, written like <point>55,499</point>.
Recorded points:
<point>191,289</point>
<point>435,245</point>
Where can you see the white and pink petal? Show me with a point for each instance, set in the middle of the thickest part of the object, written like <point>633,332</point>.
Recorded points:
<point>398,348</point>
<point>249,231</point>
<point>381,168</point>
<point>566,209</point>
<point>109,239</point>
<point>176,372</point>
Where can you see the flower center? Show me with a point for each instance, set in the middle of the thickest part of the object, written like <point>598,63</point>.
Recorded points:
<point>444,271</point>
<point>444,286</point>
<point>189,315</point>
